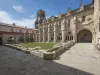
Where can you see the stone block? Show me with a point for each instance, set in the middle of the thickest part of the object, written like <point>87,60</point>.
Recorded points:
<point>49,55</point>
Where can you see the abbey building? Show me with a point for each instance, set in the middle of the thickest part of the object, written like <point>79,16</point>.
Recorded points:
<point>80,25</point>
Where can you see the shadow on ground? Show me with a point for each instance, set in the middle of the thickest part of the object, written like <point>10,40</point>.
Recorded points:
<point>13,62</point>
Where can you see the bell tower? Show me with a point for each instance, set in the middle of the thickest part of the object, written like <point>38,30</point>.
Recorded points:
<point>40,18</point>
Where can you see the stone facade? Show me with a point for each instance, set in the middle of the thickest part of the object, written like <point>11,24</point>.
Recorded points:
<point>15,34</point>
<point>77,25</point>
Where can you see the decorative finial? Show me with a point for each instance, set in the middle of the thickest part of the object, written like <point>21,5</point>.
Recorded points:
<point>69,10</point>
<point>81,6</point>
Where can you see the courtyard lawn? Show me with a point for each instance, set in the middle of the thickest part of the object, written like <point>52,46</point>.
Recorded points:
<point>42,45</point>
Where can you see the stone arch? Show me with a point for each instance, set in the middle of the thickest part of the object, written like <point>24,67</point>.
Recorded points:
<point>84,36</point>
<point>1,42</point>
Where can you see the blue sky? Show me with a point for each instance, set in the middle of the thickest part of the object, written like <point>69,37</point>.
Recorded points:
<point>23,12</point>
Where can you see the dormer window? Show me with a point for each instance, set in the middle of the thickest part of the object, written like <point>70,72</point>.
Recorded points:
<point>83,18</point>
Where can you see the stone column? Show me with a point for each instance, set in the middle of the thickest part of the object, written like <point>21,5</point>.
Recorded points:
<point>33,36</point>
<point>43,33</point>
<point>49,38</point>
<point>29,38</point>
<point>36,37</point>
<point>55,32</point>
<point>96,21</point>
<point>63,30</point>
<point>74,29</point>
<point>24,37</point>
<point>39,37</point>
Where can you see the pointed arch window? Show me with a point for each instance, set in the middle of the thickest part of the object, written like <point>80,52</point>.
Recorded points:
<point>69,22</point>
<point>83,18</point>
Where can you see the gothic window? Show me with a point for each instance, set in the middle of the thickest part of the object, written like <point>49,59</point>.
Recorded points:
<point>84,34</point>
<point>66,38</point>
<point>53,35</point>
<point>72,37</point>
<point>69,22</point>
<point>60,34</point>
<point>51,38</point>
<point>69,33</point>
<point>83,18</point>
<point>58,38</point>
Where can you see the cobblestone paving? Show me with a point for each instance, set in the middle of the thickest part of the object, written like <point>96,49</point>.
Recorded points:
<point>13,62</point>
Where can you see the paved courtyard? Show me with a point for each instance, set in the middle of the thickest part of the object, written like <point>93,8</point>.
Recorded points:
<point>81,59</point>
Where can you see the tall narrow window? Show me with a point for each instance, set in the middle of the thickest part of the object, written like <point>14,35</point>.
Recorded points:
<point>69,22</point>
<point>69,32</point>
<point>72,37</point>
<point>83,18</point>
<point>66,38</point>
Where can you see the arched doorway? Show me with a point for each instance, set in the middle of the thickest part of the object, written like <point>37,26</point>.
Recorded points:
<point>84,36</point>
<point>0,40</point>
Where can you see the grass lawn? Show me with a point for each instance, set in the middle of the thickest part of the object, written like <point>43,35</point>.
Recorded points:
<point>42,45</point>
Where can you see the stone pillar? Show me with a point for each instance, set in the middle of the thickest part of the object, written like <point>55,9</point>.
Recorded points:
<point>29,37</point>
<point>55,32</point>
<point>74,29</point>
<point>24,38</point>
<point>40,35</point>
<point>63,30</point>
<point>33,36</point>
<point>96,21</point>
<point>36,37</point>
<point>43,33</point>
<point>49,38</point>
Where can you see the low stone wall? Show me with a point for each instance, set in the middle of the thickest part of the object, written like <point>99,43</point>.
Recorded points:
<point>35,52</point>
<point>57,51</point>
<point>13,47</point>
<point>46,54</point>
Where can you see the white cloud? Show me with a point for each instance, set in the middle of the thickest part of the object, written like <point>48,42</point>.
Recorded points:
<point>18,8</point>
<point>32,16</point>
<point>7,18</point>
